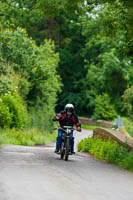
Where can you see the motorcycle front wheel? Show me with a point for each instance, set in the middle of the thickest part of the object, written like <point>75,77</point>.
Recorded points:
<point>67,149</point>
<point>62,152</point>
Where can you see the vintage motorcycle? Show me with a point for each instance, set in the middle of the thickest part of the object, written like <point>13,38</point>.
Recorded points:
<point>65,149</point>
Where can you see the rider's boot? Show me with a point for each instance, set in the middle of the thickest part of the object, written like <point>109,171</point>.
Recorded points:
<point>56,151</point>
<point>72,152</point>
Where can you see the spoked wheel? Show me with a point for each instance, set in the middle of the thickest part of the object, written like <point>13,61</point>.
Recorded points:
<point>67,150</point>
<point>62,152</point>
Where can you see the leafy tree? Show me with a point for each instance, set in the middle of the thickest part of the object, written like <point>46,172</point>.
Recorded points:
<point>71,66</point>
<point>13,111</point>
<point>108,65</point>
<point>16,110</point>
<point>37,65</point>
<point>33,73</point>
<point>99,30</point>
<point>119,18</point>
<point>41,18</point>
<point>128,101</point>
<point>103,108</point>
<point>57,20</point>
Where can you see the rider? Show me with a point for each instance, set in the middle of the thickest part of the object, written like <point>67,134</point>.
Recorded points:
<point>66,118</point>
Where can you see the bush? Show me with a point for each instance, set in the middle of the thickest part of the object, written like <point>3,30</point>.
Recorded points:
<point>34,71</point>
<point>109,151</point>
<point>5,115</point>
<point>35,65</point>
<point>5,85</point>
<point>103,108</point>
<point>127,161</point>
<point>12,112</point>
<point>128,101</point>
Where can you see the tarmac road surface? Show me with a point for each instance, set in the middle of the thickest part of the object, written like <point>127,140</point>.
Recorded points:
<point>37,173</point>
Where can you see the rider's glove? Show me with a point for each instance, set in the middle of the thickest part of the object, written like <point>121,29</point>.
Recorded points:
<point>79,129</point>
<point>58,116</point>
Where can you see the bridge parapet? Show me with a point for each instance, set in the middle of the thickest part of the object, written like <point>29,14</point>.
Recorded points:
<point>122,139</point>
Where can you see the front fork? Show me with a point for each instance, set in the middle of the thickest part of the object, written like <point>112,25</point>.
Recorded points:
<point>68,143</point>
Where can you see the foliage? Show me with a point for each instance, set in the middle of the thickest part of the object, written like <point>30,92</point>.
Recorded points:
<point>37,65</point>
<point>40,18</point>
<point>5,85</point>
<point>107,64</point>
<point>5,115</point>
<point>107,51</point>
<point>8,79</point>
<point>32,74</point>
<point>103,108</point>
<point>127,161</point>
<point>29,137</point>
<point>71,66</point>
<point>120,18</point>
<point>128,101</point>
<point>12,112</point>
<point>94,42</point>
<point>41,118</point>
<point>128,123</point>
<point>57,20</point>
<point>109,151</point>
<point>17,111</point>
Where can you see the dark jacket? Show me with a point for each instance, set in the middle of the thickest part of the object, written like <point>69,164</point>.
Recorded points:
<point>67,120</point>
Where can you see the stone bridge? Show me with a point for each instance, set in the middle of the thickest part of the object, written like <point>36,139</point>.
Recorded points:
<point>121,136</point>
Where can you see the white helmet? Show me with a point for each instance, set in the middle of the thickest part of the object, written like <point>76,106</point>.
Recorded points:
<point>69,107</point>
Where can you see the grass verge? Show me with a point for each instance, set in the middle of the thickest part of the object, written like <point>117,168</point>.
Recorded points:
<point>29,137</point>
<point>88,127</point>
<point>109,151</point>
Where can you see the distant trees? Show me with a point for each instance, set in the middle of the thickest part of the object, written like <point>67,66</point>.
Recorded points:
<point>107,55</point>
<point>86,43</point>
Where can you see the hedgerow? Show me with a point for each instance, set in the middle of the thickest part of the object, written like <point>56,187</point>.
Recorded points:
<point>109,151</point>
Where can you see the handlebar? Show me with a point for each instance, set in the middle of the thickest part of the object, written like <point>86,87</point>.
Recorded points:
<point>72,129</point>
<point>66,127</point>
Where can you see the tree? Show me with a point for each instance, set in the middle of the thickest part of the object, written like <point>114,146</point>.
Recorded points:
<point>128,102</point>
<point>106,61</point>
<point>119,18</point>
<point>38,81</point>
<point>103,108</point>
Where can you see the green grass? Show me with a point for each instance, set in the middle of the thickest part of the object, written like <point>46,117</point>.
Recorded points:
<point>29,137</point>
<point>89,127</point>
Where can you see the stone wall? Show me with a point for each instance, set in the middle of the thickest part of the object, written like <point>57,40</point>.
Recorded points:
<point>89,121</point>
<point>122,139</point>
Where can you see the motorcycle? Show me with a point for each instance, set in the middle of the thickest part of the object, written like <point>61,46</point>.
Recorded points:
<point>65,149</point>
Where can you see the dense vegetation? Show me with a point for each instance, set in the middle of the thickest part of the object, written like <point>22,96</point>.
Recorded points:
<point>109,151</point>
<point>56,52</point>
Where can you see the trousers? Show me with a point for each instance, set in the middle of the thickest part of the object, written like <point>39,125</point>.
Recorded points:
<point>59,138</point>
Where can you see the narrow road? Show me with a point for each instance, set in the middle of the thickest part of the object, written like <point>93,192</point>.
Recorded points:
<point>36,173</point>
